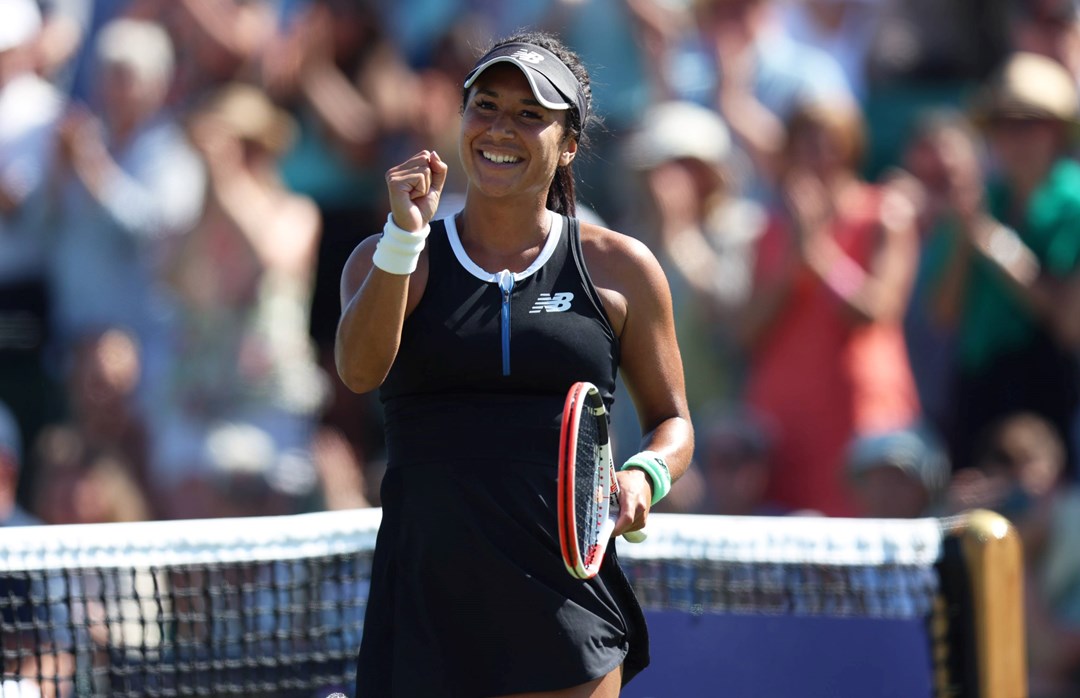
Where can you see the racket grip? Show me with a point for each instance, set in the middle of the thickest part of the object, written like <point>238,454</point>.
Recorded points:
<point>638,536</point>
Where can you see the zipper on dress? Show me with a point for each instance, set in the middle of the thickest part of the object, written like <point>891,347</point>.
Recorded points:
<point>505,280</point>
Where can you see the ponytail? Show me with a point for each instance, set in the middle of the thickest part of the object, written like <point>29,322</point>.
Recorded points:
<point>561,194</point>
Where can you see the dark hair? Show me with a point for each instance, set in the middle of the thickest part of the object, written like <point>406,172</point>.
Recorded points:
<point>842,120</point>
<point>561,198</point>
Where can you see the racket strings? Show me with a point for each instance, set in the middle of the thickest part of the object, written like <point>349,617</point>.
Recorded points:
<point>588,510</point>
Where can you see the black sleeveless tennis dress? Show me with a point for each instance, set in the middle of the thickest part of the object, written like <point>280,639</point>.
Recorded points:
<point>469,595</point>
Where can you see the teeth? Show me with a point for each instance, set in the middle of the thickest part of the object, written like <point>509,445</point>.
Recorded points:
<point>495,157</point>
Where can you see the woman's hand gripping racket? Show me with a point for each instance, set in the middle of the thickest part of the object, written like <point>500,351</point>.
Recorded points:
<point>588,488</point>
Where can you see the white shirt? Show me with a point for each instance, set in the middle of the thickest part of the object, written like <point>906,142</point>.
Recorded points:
<point>30,109</point>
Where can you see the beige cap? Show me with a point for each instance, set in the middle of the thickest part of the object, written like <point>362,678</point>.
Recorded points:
<point>1030,86</point>
<point>676,130</point>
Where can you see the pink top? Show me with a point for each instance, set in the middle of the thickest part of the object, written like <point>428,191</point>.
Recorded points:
<point>820,377</point>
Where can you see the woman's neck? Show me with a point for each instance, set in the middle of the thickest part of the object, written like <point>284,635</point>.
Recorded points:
<point>501,236</point>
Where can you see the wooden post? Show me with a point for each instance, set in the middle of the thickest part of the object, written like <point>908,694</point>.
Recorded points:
<point>994,558</point>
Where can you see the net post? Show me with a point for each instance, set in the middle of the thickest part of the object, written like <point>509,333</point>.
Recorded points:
<point>994,558</point>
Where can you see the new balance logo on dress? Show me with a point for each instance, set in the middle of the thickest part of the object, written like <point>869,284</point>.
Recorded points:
<point>552,303</point>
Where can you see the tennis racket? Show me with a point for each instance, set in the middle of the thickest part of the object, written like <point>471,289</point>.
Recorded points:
<point>588,490</point>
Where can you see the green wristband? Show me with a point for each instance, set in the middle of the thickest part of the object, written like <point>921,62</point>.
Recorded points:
<point>653,465</point>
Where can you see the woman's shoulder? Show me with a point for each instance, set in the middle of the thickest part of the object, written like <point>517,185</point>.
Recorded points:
<point>621,262</point>
<point>625,273</point>
<point>611,247</point>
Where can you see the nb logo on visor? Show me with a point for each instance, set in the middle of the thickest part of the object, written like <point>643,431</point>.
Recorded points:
<point>529,56</point>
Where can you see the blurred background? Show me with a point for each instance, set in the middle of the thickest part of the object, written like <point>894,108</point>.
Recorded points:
<point>868,211</point>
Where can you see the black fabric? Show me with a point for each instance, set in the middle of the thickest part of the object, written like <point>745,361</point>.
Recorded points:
<point>469,595</point>
<point>1041,377</point>
<point>452,342</point>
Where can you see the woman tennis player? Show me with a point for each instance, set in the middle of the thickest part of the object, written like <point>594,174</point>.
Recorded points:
<point>473,327</point>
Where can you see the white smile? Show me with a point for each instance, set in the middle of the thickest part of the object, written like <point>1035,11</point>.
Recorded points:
<point>501,159</point>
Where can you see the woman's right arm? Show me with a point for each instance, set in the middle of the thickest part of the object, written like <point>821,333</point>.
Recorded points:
<point>380,287</point>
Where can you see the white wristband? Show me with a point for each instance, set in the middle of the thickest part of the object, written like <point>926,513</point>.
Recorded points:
<point>398,250</point>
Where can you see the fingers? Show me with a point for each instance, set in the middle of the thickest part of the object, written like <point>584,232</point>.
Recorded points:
<point>411,178</point>
<point>635,496</point>
<point>438,170</point>
<point>407,185</point>
<point>425,173</point>
<point>411,193</point>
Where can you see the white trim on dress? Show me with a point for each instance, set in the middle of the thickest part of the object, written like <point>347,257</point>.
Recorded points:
<point>555,228</point>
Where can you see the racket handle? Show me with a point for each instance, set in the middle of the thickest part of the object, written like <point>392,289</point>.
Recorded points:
<point>638,536</point>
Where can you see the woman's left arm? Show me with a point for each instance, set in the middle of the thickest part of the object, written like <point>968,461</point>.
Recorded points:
<point>638,301</point>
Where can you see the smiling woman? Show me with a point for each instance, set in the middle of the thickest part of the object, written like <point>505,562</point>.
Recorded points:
<point>473,328</point>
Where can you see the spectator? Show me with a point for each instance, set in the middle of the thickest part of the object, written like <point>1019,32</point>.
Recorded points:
<point>60,454</point>
<point>844,29</point>
<point>345,81</point>
<point>217,42</point>
<point>1053,603</point>
<point>103,420</point>
<point>658,28</point>
<point>244,360</point>
<point>30,109</point>
<point>1053,610</point>
<point>126,184</point>
<point>735,458</point>
<point>705,236</point>
<point>744,64</point>
<point>437,124</point>
<point>82,485</point>
<point>898,474</point>
<point>822,327</point>
<point>1050,28</point>
<point>11,514</point>
<point>63,31</point>
<point>1019,245</point>
<point>943,163</point>
<point>929,42</point>
<point>102,379</point>
<point>27,616</point>
<point>927,54</point>
<point>1017,472</point>
<point>94,17</point>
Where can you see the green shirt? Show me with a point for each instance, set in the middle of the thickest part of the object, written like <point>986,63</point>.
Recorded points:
<point>995,319</point>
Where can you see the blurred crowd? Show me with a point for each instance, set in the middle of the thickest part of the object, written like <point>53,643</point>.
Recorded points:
<point>868,211</point>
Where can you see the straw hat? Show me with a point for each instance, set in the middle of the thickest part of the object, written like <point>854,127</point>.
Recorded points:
<point>250,114</point>
<point>1030,86</point>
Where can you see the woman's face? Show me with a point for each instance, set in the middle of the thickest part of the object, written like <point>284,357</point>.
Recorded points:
<point>510,144</point>
<point>126,98</point>
<point>815,148</point>
<point>944,160</point>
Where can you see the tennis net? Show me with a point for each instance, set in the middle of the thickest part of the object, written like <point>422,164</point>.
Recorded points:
<point>275,606</point>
